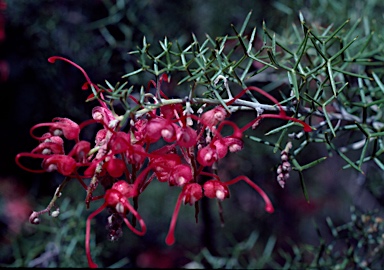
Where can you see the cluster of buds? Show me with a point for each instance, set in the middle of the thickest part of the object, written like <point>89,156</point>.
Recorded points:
<point>285,167</point>
<point>123,164</point>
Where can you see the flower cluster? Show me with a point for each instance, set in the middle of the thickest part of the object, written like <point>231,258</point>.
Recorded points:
<point>186,145</point>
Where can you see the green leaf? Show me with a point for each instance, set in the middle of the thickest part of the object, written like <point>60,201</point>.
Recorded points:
<point>133,73</point>
<point>313,163</point>
<point>245,23</point>
<point>378,81</point>
<point>337,31</point>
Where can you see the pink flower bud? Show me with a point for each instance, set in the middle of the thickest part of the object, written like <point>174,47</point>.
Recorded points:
<point>115,167</point>
<point>119,142</point>
<point>160,127</point>
<point>60,126</point>
<point>34,218</point>
<point>169,132</point>
<point>80,150</point>
<point>65,165</point>
<point>139,129</point>
<point>153,129</point>
<point>186,136</point>
<point>192,193</point>
<point>207,155</point>
<point>216,189</point>
<point>70,129</point>
<point>221,148</point>
<point>234,144</point>
<point>49,147</point>
<point>100,136</point>
<point>181,174</point>
<point>213,117</point>
<point>163,165</point>
<point>136,154</point>
<point>168,111</point>
<point>124,188</point>
<point>103,115</point>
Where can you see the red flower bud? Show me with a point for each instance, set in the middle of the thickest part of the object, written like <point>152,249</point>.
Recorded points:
<point>124,188</point>
<point>234,144</point>
<point>168,111</point>
<point>49,146</point>
<point>181,174</point>
<point>100,136</point>
<point>159,127</point>
<point>80,150</point>
<point>213,117</point>
<point>216,189</point>
<point>153,129</point>
<point>117,200</point>
<point>136,154</point>
<point>64,164</point>
<point>163,165</point>
<point>60,126</point>
<point>119,142</point>
<point>115,167</point>
<point>103,115</point>
<point>186,136</point>
<point>221,148</point>
<point>206,156</point>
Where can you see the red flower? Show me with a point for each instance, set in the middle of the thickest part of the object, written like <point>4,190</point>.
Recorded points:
<point>206,156</point>
<point>216,189</point>
<point>213,117</point>
<point>51,145</point>
<point>117,198</point>
<point>191,193</point>
<point>65,165</point>
<point>180,175</point>
<point>186,136</point>
<point>60,126</point>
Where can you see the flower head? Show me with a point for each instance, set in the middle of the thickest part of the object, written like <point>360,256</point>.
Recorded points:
<point>60,126</point>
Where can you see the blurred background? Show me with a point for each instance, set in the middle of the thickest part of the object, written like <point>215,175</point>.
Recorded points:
<point>98,35</point>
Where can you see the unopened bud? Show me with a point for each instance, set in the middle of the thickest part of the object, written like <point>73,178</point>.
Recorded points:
<point>57,192</point>
<point>34,218</point>
<point>286,166</point>
<point>56,213</point>
<point>281,180</point>
<point>284,156</point>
